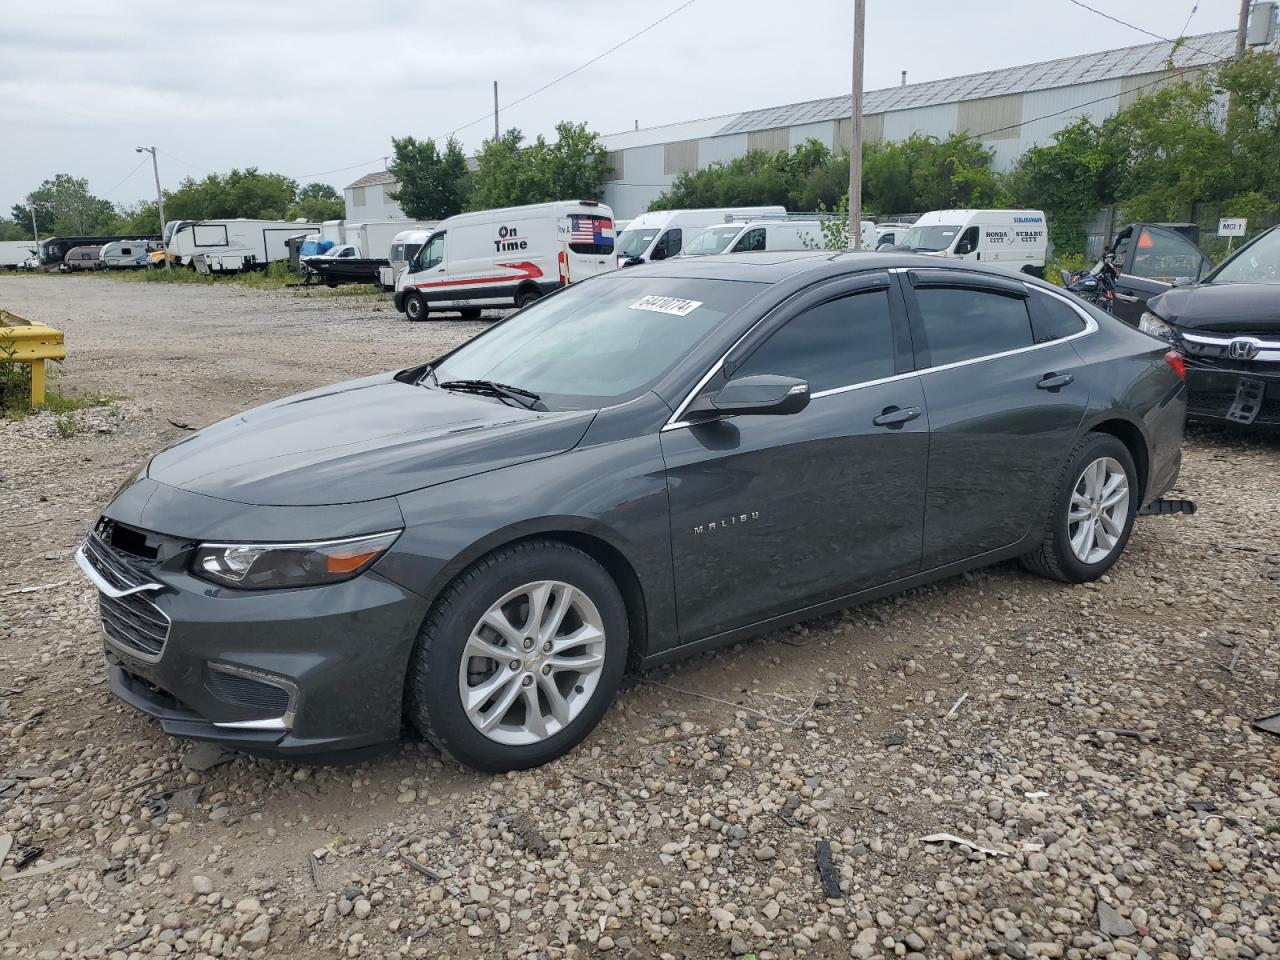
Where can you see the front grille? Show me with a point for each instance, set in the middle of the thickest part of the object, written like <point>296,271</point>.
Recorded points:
<point>132,623</point>
<point>245,691</point>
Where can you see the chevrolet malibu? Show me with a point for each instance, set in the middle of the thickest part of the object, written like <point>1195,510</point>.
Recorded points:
<point>643,465</point>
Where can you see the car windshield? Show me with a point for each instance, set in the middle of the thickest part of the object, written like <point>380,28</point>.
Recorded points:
<point>598,342</point>
<point>712,240</point>
<point>930,239</point>
<point>1259,262</point>
<point>632,243</point>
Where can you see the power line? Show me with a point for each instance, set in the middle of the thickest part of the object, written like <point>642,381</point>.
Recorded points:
<point>1194,8</point>
<point>580,68</point>
<point>1125,23</point>
<point>321,173</point>
<point>193,166</point>
<point>128,176</point>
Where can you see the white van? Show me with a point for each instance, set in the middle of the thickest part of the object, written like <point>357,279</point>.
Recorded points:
<point>15,253</point>
<point>496,258</point>
<point>404,247</point>
<point>661,234</point>
<point>887,233</point>
<point>1014,239</point>
<point>754,235</point>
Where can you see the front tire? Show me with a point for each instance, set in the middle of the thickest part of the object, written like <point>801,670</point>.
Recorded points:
<point>527,296</point>
<point>1092,512</point>
<point>470,313</point>
<point>415,308</point>
<point>519,658</point>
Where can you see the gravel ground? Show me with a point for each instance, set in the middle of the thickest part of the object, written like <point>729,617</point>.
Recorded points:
<point>1091,745</point>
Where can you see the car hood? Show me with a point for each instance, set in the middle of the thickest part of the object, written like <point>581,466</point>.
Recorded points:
<point>1225,307</point>
<point>360,441</point>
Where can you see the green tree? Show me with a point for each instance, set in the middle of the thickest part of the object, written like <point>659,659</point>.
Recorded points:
<point>509,173</point>
<point>1070,180</point>
<point>15,229</point>
<point>317,202</point>
<point>64,205</point>
<point>434,184</point>
<point>241,193</point>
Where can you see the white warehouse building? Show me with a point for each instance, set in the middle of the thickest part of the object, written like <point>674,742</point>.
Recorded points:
<point>1010,110</point>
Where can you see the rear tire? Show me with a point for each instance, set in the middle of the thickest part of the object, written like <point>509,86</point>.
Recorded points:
<point>527,296</point>
<point>1091,514</point>
<point>415,308</point>
<point>449,657</point>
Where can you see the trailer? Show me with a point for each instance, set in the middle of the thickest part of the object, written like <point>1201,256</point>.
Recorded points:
<point>229,246</point>
<point>127,254</point>
<point>14,253</point>
<point>53,250</point>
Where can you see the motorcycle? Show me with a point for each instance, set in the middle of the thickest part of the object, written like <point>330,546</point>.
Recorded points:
<point>1098,288</point>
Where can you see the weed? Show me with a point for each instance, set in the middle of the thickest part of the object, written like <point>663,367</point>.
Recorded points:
<point>65,424</point>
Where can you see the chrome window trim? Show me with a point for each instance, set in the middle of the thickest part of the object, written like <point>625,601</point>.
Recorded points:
<point>1090,327</point>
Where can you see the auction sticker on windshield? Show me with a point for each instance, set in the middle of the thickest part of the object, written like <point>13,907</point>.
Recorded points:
<point>672,305</point>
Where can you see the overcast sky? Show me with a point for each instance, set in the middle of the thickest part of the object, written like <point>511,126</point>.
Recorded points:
<point>306,88</point>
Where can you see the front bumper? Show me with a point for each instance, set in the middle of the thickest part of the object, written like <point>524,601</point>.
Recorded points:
<point>1215,394</point>
<point>308,671</point>
<point>398,299</point>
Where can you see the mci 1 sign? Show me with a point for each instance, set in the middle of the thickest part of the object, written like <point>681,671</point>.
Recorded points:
<point>1232,226</point>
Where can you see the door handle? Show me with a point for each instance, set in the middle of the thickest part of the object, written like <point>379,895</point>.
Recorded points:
<point>895,417</point>
<point>1055,381</point>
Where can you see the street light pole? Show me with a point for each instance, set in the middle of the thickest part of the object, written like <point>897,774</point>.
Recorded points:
<point>155,168</point>
<point>855,150</point>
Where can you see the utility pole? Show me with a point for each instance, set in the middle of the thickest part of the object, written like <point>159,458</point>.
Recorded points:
<point>495,109</point>
<point>31,209</point>
<point>1242,28</point>
<point>855,150</point>
<point>155,168</point>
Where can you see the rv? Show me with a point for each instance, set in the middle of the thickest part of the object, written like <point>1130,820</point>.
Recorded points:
<point>126,254</point>
<point>53,251</point>
<point>229,246</point>
<point>497,258</point>
<point>756,235</point>
<point>15,253</point>
<point>659,235</point>
<point>1013,239</point>
<point>86,257</point>
<point>404,246</point>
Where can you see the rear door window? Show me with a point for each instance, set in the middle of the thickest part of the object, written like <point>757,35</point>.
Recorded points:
<point>964,324</point>
<point>590,234</point>
<point>838,343</point>
<point>1051,319</point>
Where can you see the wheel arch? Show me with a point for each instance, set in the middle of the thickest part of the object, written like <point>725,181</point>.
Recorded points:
<point>594,539</point>
<point>1135,439</point>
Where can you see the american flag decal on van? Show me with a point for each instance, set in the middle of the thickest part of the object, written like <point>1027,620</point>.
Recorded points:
<point>593,230</point>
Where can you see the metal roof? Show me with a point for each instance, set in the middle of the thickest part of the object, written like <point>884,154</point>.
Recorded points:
<point>1109,65</point>
<point>369,179</point>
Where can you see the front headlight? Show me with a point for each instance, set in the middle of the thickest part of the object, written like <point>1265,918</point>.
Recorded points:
<point>274,566</point>
<point>1150,323</point>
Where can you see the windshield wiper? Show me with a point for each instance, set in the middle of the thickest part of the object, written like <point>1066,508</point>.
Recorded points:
<point>525,398</point>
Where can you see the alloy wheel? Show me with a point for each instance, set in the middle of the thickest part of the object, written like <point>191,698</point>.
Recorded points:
<point>532,662</point>
<point>1098,511</point>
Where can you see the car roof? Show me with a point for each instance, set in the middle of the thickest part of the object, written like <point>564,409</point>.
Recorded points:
<point>775,267</point>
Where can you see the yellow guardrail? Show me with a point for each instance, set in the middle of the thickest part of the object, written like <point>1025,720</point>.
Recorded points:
<point>22,341</point>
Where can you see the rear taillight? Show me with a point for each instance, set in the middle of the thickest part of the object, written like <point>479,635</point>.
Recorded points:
<point>1177,364</point>
<point>563,260</point>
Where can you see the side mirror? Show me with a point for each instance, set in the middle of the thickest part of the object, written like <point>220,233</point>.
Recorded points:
<point>761,394</point>
<point>963,248</point>
<point>633,261</point>
<point>659,253</point>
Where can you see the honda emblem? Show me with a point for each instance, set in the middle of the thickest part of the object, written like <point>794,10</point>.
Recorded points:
<point>1243,348</point>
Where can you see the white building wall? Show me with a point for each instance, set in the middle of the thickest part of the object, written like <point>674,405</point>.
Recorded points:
<point>642,181</point>
<point>935,121</point>
<point>824,132</point>
<point>372,203</point>
<point>721,149</point>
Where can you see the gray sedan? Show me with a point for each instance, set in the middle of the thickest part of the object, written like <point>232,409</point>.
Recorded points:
<point>647,464</point>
